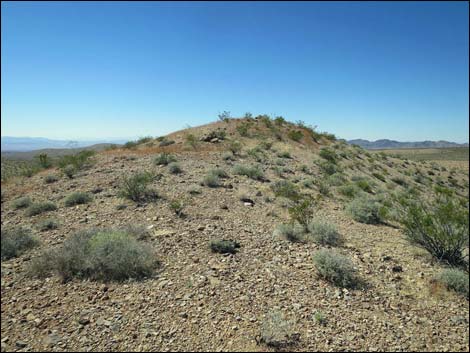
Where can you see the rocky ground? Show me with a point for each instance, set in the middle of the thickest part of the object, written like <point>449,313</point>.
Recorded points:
<point>199,300</point>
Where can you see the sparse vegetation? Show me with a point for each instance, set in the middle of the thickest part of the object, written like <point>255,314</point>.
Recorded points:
<point>164,159</point>
<point>284,188</point>
<point>277,332</point>
<point>292,232</point>
<point>175,168</point>
<point>48,224</point>
<point>49,179</point>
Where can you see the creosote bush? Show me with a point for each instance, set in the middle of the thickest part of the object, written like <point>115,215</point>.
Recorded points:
<point>440,227</point>
<point>324,233</point>
<point>69,170</point>
<point>135,188</point>
<point>211,180</point>
<point>335,268</point>
<point>78,198</point>
<point>105,255</point>
<point>224,246</point>
<point>14,241</point>
<point>40,207</point>
<point>302,211</point>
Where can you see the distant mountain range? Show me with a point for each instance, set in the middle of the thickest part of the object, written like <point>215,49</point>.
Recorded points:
<point>25,144</point>
<point>391,144</point>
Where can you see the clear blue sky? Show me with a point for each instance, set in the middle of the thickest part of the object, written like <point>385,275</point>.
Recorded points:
<point>359,70</point>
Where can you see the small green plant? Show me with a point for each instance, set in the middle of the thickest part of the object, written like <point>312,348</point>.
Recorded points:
<point>166,142</point>
<point>135,187</point>
<point>14,241</point>
<point>335,268</point>
<point>224,246</point>
<point>106,255</point>
<point>78,198</point>
<point>455,280</point>
<point>174,168</point>
<point>130,145</point>
<point>22,202</point>
<point>243,128</point>
<point>379,176</point>
<point>363,184</point>
<point>279,120</point>
<point>320,318</point>
<point>328,168</point>
<point>47,224</point>
<point>177,207</point>
<point>253,172</point>
<point>49,179</point>
<point>164,159</point>
<point>324,233</point>
<point>40,207</point>
<point>400,181</point>
<point>194,190</point>
<point>323,187</point>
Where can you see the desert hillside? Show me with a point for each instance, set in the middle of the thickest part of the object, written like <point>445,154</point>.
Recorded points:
<point>249,234</point>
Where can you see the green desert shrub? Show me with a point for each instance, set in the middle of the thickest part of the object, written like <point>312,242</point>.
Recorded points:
<point>130,145</point>
<point>328,168</point>
<point>284,154</point>
<point>323,187</point>
<point>191,140</point>
<point>14,241</point>
<point>49,179</point>
<point>456,280</point>
<point>335,268</point>
<point>78,198</point>
<point>43,160</point>
<point>79,160</point>
<point>284,188</point>
<point>175,168</point>
<point>164,159</point>
<point>295,135</point>
<point>253,172</point>
<point>69,170</point>
<point>166,142</point>
<point>349,190</point>
<point>324,233</point>
<point>277,332</point>
<point>440,227</point>
<point>328,154</point>
<point>194,190</point>
<point>235,147</point>
<point>400,181</point>
<point>228,156</point>
<point>219,172</point>
<point>22,202</point>
<point>47,224</point>
<point>292,232</point>
<point>337,179</point>
<point>106,255</point>
<point>365,210</point>
<point>224,246</point>
<point>177,207</point>
<point>302,211</point>
<point>211,180</point>
<point>379,176</point>
<point>135,187</point>
<point>40,207</point>
<point>363,184</point>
